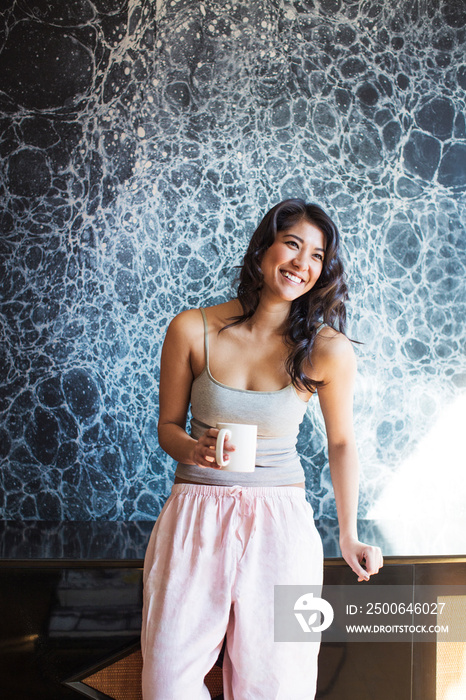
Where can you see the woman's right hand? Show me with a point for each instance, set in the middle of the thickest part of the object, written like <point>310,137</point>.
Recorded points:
<point>204,449</point>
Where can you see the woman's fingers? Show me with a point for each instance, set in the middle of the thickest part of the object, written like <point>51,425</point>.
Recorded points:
<point>373,560</point>
<point>364,559</point>
<point>209,441</point>
<point>205,450</point>
<point>370,561</point>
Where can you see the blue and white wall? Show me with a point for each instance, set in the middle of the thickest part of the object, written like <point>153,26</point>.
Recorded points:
<point>141,142</point>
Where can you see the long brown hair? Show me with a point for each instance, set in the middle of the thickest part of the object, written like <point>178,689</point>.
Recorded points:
<point>325,302</point>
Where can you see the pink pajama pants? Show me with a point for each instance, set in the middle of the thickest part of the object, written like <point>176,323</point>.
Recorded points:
<point>213,559</point>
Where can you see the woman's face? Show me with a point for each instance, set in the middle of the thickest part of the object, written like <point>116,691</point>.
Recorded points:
<point>293,263</point>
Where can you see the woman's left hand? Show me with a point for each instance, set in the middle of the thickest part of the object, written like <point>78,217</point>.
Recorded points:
<point>364,559</point>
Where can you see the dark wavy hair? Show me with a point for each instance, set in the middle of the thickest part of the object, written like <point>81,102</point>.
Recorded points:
<point>324,302</point>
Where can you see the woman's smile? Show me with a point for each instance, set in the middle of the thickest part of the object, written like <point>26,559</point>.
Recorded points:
<point>294,279</point>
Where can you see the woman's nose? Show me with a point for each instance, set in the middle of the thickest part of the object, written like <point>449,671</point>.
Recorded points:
<point>300,260</point>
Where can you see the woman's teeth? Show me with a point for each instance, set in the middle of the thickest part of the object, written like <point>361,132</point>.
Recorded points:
<point>292,278</point>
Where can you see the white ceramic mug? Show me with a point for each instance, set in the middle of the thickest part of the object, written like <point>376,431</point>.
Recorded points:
<point>244,438</point>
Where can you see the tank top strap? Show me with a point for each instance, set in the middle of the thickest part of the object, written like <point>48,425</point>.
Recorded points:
<point>319,328</point>
<point>206,338</point>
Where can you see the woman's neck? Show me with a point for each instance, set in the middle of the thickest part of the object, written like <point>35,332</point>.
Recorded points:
<point>270,316</point>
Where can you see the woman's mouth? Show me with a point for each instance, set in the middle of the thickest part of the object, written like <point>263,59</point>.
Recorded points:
<point>293,278</point>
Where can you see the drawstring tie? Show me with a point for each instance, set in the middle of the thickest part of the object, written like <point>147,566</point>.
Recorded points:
<point>246,502</point>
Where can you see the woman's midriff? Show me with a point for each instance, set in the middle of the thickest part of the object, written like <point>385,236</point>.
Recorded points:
<point>200,483</point>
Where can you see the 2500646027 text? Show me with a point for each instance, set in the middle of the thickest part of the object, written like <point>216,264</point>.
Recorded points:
<point>397,608</point>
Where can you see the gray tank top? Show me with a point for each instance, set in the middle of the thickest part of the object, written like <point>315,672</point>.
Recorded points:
<point>277,414</point>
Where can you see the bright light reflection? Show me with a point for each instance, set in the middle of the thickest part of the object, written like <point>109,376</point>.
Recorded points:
<point>430,485</point>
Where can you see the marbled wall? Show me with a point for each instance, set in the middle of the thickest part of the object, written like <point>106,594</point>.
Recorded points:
<point>141,142</point>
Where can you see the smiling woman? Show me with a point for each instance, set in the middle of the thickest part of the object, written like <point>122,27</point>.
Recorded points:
<point>323,302</point>
<point>225,538</point>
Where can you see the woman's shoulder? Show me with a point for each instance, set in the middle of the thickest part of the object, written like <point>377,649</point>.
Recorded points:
<point>191,320</point>
<point>186,320</point>
<point>332,349</point>
<point>185,331</point>
<point>330,337</point>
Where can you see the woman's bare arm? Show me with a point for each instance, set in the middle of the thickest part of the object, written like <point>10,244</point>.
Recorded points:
<point>184,334</point>
<point>335,363</point>
<point>175,387</point>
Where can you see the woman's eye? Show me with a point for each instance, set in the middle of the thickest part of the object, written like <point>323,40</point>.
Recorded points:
<point>292,243</point>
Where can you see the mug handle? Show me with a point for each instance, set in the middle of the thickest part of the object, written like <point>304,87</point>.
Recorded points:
<point>223,435</point>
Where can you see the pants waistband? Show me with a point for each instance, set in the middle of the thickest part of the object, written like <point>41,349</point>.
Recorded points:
<point>254,491</point>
